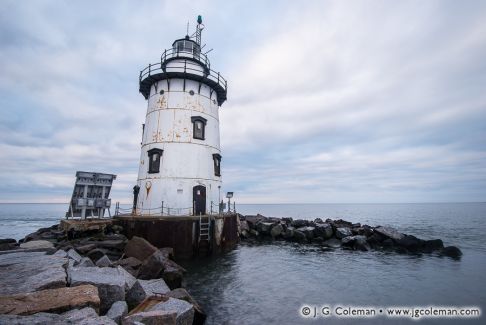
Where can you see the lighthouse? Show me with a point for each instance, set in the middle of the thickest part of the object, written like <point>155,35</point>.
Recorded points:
<point>180,161</point>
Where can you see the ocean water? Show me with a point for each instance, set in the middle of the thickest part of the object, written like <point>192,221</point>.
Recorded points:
<point>269,282</point>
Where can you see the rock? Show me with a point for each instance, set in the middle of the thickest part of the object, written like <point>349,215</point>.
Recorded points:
<point>155,317</point>
<point>117,311</point>
<point>152,267</point>
<point>343,232</point>
<point>142,289</point>
<point>96,254</point>
<point>389,232</point>
<point>184,310</point>
<point>110,283</point>
<point>199,314</point>
<point>347,241</point>
<point>60,253</point>
<point>72,254</point>
<point>85,316</point>
<point>308,231</point>
<point>118,244</point>
<point>411,243</point>
<point>361,244</point>
<point>103,261</point>
<point>50,300</point>
<point>299,236</point>
<point>85,248</point>
<point>37,244</point>
<point>244,226</point>
<point>430,246</point>
<point>7,244</point>
<point>299,223</point>
<point>130,262</point>
<point>388,243</point>
<point>8,241</point>
<point>451,251</point>
<point>85,262</point>
<point>264,227</point>
<point>287,221</point>
<point>173,274</point>
<point>323,230</point>
<point>245,234</point>
<point>168,252</point>
<point>318,220</point>
<point>333,243</point>
<point>253,220</point>
<point>289,233</point>
<point>22,272</point>
<point>128,278</point>
<point>254,233</point>
<point>139,248</point>
<point>276,230</point>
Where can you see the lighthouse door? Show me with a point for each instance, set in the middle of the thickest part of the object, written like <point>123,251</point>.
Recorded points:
<point>199,198</point>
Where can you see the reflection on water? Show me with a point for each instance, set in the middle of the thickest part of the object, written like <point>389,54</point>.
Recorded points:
<point>266,282</point>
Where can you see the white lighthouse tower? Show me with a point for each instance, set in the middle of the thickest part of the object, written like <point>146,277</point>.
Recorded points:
<point>179,172</point>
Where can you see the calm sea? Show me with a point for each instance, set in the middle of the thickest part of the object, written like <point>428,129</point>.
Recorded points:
<point>264,283</point>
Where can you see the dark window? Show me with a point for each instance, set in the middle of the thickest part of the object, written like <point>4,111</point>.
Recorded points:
<point>199,124</point>
<point>217,164</point>
<point>154,160</point>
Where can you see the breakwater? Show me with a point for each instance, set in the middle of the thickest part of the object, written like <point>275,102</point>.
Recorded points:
<point>341,234</point>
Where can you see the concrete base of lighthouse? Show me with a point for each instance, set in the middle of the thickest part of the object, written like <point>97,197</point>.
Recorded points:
<point>182,233</point>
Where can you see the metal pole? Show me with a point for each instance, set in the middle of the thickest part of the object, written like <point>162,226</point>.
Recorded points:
<point>162,209</point>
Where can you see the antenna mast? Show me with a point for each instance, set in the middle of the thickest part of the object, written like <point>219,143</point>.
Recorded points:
<point>199,28</point>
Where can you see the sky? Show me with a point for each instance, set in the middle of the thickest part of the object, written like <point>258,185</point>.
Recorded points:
<point>328,101</point>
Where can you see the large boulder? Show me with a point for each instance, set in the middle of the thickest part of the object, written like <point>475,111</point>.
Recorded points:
<point>199,314</point>
<point>50,300</point>
<point>289,233</point>
<point>85,262</point>
<point>139,248</point>
<point>155,317</point>
<point>158,265</point>
<point>343,232</point>
<point>308,232</point>
<point>430,246</point>
<point>410,243</point>
<point>276,230</point>
<point>299,223</point>
<point>109,281</point>
<point>184,310</point>
<point>117,311</point>
<point>142,289</point>
<point>389,232</point>
<point>103,261</point>
<point>323,230</point>
<point>85,316</point>
<point>451,251</point>
<point>299,236</point>
<point>332,243</point>
<point>127,277</point>
<point>264,227</point>
<point>72,254</point>
<point>37,244</point>
<point>22,272</point>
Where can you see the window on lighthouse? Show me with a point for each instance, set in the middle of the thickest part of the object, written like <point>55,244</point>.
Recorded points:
<point>217,164</point>
<point>199,125</point>
<point>154,160</point>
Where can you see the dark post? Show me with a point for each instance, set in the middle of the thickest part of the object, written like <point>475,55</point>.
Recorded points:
<point>136,189</point>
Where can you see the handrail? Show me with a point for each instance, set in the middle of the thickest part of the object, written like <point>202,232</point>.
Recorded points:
<point>171,53</point>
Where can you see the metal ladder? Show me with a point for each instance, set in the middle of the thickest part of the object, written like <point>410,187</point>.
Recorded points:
<point>204,227</point>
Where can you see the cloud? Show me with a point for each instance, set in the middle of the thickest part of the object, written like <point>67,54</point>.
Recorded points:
<point>328,101</point>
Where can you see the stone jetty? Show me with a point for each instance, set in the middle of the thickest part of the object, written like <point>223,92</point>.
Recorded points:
<point>92,278</point>
<point>340,234</point>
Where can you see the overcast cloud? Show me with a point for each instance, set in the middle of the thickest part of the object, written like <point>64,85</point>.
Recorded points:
<point>328,101</point>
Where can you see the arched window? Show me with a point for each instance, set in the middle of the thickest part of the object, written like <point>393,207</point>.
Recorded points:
<point>217,164</point>
<point>154,160</point>
<point>199,124</point>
